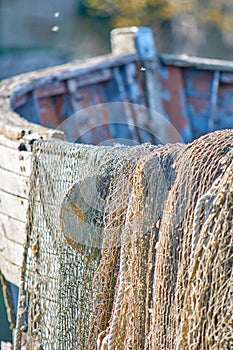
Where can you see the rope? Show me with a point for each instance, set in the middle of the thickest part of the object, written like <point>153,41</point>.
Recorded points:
<point>197,215</point>
<point>118,300</point>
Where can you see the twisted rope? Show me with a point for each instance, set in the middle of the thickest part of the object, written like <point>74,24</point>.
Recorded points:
<point>118,300</point>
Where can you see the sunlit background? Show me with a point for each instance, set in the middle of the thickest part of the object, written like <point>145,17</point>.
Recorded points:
<point>36,34</point>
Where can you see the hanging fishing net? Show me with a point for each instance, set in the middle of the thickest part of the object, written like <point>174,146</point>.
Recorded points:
<point>129,247</point>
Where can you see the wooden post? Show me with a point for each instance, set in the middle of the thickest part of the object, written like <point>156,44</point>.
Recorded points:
<point>140,40</point>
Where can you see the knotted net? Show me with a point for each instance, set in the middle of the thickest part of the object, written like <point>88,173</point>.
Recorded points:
<point>129,247</point>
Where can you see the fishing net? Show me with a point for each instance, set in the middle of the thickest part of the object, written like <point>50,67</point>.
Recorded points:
<point>56,289</point>
<point>129,247</point>
<point>192,277</point>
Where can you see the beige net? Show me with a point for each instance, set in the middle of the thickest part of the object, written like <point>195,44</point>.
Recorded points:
<point>188,223</point>
<point>129,247</point>
<point>56,290</point>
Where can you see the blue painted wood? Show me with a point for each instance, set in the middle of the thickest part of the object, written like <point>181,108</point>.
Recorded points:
<point>29,110</point>
<point>197,94</point>
<point>5,331</point>
<point>212,125</point>
<point>145,44</point>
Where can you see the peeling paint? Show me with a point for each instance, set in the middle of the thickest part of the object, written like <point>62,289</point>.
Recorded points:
<point>193,100</point>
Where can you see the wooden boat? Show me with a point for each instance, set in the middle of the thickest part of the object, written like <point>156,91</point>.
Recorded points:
<point>194,94</point>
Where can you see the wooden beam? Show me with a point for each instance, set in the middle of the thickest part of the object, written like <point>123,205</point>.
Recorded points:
<point>11,257</point>
<point>12,229</point>
<point>13,206</point>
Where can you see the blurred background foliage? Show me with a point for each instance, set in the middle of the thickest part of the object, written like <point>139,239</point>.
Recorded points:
<point>189,20</point>
<point>146,12</point>
<point>36,34</point>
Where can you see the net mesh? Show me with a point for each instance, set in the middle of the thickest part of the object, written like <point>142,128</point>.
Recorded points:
<point>129,247</point>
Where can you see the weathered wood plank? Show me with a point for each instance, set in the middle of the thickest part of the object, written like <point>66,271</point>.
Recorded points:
<point>11,272</point>
<point>9,143</point>
<point>50,90</point>
<point>13,206</point>
<point>196,62</point>
<point>12,229</point>
<point>21,100</point>
<point>226,78</point>
<point>36,79</point>
<point>94,78</point>
<point>15,161</point>
<point>11,251</point>
<point>13,125</point>
<point>14,183</point>
<point>11,258</point>
<point>141,40</point>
